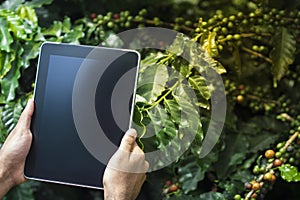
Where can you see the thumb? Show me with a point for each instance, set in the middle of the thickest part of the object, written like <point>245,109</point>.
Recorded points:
<point>25,118</point>
<point>128,141</point>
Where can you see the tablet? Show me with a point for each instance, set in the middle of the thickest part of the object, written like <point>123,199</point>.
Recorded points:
<point>83,103</point>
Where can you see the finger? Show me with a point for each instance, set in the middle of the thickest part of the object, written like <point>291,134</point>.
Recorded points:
<point>136,150</point>
<point>128,141</point>
<point>147,165</point>
<point>25,118</point>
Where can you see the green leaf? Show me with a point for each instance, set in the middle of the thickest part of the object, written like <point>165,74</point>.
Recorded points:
<point>5,38</point>
<point>73,35</point>
<point>137,123</point>
<point>10,82</point>
<point>283,53</point>
<point>199,84</point>
<point>263,140</point>
<point>38,3</point>
<point>152,82</point>
<point>151,59</point>
<point>240,177</point>
<point>11,114</point>
<point>290,173</point>
<point>28,13</point>
<point>177,47</point>
<point>21,192</point>
<point>16,25</point>
<point>6,60</point>
<point>112,40</point>
<point>3,132</point>
<point>192,170</point>
<point>214,64</point>
<point>233,155</point>
<point>173,108</point>
<point>31,51</point>
<point>54,30</point>
<point>12,4</point>
<point>182,69</point>
<point>261,131</point>
<point>189,111</point>
<point>161,126</point>
<point>190,175</point>
<point>158,118</point>
<point>212,196</point>
<point>66,25</point>
<point>195,56</point>
<point>190,127</point>
<point>137,115</point>
<point>39,36</point>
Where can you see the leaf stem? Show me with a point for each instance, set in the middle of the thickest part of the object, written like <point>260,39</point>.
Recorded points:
<point>163,97</point>
<point>142,135</point>
<point>257,54</point>
<point>165,59</point>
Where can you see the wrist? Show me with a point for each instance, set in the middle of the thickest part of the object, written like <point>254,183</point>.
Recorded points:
<point>5,181</point>
<point>116,195</point>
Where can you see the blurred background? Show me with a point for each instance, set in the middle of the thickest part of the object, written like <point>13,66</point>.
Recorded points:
<point>253,44</point>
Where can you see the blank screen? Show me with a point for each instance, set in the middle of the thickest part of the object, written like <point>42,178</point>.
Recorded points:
<point>57,153</point>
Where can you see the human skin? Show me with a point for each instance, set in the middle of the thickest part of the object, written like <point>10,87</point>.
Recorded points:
<point>14,151</point>
<point>125,172</point>
<point>118,184</point>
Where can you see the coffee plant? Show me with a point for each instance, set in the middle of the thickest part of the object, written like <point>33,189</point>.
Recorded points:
<point>253,45</point>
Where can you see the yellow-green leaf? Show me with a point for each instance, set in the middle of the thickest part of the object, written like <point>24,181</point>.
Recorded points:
<point>5,37</point>
<point>208,43</point>
<point>199,84</point>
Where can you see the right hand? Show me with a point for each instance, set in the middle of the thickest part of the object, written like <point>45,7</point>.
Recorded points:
<point>125,172</point>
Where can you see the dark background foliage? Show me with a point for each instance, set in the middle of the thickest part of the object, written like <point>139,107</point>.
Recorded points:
<point>258,49</point>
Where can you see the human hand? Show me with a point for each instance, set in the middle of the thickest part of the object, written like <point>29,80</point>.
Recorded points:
<point>14,151</point>
<point>125,172</point>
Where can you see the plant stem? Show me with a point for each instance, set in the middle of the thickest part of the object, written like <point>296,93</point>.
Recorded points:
<point>292,138</point>
<point>182,27</point>
<point>253,97</point>
<point>142,135</point>
<point>163,97</point>
<point>257,54</point>
<point>260,179</point>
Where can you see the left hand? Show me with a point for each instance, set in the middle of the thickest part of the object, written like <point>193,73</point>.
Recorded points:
<point>14,151</point>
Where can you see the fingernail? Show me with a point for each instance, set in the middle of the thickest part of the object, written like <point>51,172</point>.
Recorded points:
<point>132,132</point>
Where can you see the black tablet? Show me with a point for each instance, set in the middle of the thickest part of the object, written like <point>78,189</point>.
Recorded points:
<point>83,103</point>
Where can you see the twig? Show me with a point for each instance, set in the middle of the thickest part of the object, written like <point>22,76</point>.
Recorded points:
<point>292,138</point>
<point>250,96</point>
<point>257,54</point>
<point>260,178</point>
<point>183,27</point>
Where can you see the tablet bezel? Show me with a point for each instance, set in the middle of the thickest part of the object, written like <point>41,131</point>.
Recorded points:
<point>53,48</point>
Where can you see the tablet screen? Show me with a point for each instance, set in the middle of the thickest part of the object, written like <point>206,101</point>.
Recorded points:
<point>83,106</point>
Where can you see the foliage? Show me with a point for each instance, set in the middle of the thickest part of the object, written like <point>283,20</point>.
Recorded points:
<point>23,192</point>
<point>289,173</point>
<point>252,44</point>
<point>21,37</point>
